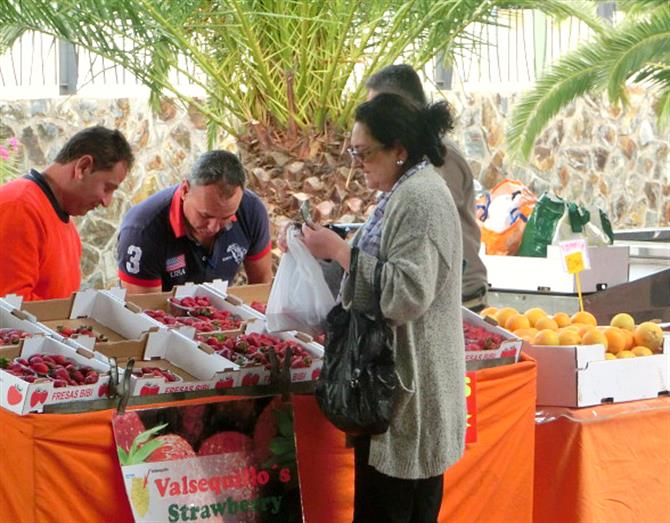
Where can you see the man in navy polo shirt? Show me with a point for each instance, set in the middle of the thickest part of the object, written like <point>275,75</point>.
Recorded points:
<point>199,230</point>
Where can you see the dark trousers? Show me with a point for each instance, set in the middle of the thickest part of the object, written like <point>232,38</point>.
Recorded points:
<point>380,498</point>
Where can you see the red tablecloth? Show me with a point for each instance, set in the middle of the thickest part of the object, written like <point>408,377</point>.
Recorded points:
<point>62,467</point>
<point>609,463</point>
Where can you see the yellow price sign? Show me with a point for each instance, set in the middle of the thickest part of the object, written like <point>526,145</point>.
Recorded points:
<point>574,262</point>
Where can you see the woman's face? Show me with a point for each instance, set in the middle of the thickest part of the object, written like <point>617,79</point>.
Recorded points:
<point>380,166</point>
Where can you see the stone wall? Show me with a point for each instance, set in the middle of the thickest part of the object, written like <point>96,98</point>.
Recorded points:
<point>592,153</point>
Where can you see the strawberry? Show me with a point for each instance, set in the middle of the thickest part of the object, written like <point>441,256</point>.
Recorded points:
<point>265,430</point>
<point>127,427</point>
<point>224,442</point>
<point>172,447</point>
<point>192,422</point>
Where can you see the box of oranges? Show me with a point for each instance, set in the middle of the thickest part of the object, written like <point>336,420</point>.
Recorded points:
<point>582,363</point>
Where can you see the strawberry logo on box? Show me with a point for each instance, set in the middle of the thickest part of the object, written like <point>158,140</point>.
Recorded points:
<point>38,396</point>
<point>225,383</point>
<point>14,395</point>
<point>103,390</point>
<point>251,379</point>
<point>149,390</point>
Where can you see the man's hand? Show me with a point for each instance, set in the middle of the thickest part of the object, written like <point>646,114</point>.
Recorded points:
<point>281,235</point>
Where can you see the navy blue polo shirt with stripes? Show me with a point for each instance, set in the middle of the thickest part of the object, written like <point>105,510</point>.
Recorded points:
<point>154,249</point>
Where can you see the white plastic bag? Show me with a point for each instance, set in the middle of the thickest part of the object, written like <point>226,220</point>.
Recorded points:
<point>300,298</point>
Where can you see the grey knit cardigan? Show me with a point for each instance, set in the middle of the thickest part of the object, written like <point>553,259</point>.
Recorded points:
<point>421,297</point>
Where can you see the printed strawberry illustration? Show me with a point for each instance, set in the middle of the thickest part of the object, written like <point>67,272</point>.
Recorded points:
<point>192,422</point>
<point>38,396</point>
<point>103,390</point>
<point>265,430</point>
<point>14,395</point>
<point>224,442</point>
<point>140,447</point>
<point>171,447</point>
<point>250,380</point>
<point>149,390</point>
<point>145,449</point>
<point>225,383</point>
<point>233,452</point>
<point>127,427</point>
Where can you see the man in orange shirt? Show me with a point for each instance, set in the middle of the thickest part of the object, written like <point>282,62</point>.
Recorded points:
<point>41,245</point>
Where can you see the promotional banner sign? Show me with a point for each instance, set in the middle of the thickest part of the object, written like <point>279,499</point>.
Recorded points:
<point>471,404</point>
<point>232,461</point>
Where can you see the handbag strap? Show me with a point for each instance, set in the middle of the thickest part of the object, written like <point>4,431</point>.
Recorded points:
<point>378,290</point>
<point>377,287</point>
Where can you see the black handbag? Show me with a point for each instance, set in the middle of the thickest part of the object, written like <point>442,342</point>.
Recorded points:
<point>357,380</point>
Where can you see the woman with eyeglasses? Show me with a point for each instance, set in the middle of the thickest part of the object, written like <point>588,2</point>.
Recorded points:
<point>415,233</point>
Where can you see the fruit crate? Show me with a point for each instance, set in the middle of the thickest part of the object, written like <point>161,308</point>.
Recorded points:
<point>508,351</point>
<point>609,267</point>
<point>22,397</point>
<point>300,370</point>
<point>16,324</point>
<point>103,311</point>
<point>215,295</point>
<point>580,376</point>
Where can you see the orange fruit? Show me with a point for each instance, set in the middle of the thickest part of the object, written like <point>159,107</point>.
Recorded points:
<point>616,341</point>
<point>569,337</point>
<point>642,351</point>
<point>562,319</point>
<point>575,328</point>
<point>489,311</point>
<point>648,334</point>
<point>516,322</point>
<point>584,317</point>
<point>623,321</point>
<point>583,328</point>
<point>525,334</point>
<point>534,314</point>
<point>630,340</point>
<point>504,313</point>
<point>609,356</point>
<point>546,323</point>
<point>546,337</point>
<point>626,354</point>
<point>594,337</point>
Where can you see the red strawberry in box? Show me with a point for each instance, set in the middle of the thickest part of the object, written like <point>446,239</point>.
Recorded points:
<point>478,338</point>
<point>12,336</point>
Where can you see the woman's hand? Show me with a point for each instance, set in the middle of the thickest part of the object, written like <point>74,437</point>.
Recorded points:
<point>324,243</point>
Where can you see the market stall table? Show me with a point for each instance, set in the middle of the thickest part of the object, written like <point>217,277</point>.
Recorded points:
<point>63,467</point>
<point>609,463</point>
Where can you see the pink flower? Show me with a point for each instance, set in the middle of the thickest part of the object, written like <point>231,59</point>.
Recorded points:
<point>14,143</point>
<point>4,153</point>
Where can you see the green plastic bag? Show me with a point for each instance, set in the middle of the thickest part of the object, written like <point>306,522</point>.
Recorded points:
<point>541,225</point>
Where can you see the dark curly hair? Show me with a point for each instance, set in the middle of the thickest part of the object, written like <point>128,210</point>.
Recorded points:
<point>392,119</point>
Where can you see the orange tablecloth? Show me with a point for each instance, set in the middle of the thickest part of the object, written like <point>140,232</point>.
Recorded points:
<point>62,467</point>
<point>609,463</point>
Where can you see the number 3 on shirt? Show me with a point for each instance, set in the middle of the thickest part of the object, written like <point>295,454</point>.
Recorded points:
<point>133,263</point>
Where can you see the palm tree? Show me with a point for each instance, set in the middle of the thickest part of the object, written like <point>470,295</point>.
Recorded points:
<point>635,50</point>
<point>284,66</point>
<point>281,76</point>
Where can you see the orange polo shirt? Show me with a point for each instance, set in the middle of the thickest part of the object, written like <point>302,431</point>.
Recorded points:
<point>40,246</point>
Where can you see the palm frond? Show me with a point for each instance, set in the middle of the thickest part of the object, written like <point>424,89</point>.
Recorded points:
<point>635,46</point>
<point>8,35</point>
<point>574,75</point>
<point>663,110</point>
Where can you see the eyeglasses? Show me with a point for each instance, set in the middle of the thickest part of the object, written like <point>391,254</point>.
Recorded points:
<point>363,155</point>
